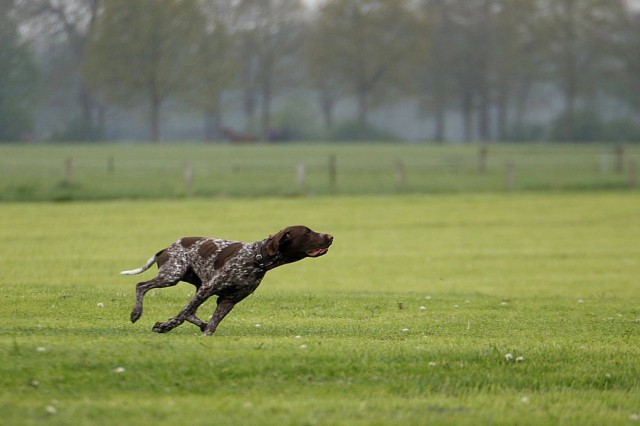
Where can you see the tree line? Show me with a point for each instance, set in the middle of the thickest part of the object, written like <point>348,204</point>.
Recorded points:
<point>479,60</point>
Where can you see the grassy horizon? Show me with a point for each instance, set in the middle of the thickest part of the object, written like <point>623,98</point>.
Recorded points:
<point>115,171</point>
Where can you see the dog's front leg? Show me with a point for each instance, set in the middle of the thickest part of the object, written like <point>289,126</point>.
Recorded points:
<point>189,311</point>
<point>222,309</point>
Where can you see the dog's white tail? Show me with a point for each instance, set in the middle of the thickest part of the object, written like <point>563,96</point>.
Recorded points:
<point>142,268</point>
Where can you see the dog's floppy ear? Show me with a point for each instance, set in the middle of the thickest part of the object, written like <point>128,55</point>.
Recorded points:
<point>274,243</point>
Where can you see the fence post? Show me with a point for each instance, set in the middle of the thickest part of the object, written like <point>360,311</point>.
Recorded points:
<point>604,162</point>
<point>482,159</point>
<point>633,175</point>
<point>332,171</point>
<point>188,177</point>
<point>619,159</point>
<point>300,174</point>
<point>111,165</point>
<point>400,173</point>
<point>510,178</point>
<point>68,170</point>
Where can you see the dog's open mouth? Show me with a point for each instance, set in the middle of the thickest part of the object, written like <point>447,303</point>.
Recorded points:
<point>317,252</point>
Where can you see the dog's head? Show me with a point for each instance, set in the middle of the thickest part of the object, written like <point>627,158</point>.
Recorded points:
<point>297,242</point>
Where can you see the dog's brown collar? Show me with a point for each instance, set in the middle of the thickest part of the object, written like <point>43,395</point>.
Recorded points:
<point>263,261</point>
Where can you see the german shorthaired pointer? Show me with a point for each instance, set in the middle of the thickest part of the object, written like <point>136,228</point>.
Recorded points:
<point>231,270</point>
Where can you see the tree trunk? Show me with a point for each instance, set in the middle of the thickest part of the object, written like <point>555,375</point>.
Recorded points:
<point>467,115</point>
<point>523,91</point>
<point>484,62</point>
<point>155,103</point>
<point>362,115</point>
<point>484,119</point>
<point>441,62</point>
<point>155,122</point>
<point>440,117</point>
<point>503,114</point>
<point>570,75</point>
<point>504,90</point>
<point>266,110</point>
<point>570,103</point>
<point>327,102</point>
<point>87,105</point>
<point>213,121</point>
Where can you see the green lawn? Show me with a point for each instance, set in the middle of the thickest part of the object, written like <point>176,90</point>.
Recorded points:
<point>407,320</point>
<point>144,171</point>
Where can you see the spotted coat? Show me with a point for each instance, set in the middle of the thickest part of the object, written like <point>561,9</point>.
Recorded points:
<point>232,270</point>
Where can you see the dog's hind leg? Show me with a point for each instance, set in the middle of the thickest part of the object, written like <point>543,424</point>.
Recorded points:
<point>193,319</point>
<point>143,287</point>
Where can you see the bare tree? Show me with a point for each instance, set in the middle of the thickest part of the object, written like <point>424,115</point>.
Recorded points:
<point>325,77</point>
<point>434,79</point>
<point>270,32</point>
<point>143,51</point>
<point>516,56</point>
<point>19,78</point>
<point>577,33</point>
<point>367,42</point>
<point>216,64</point>
<point>70,21</point>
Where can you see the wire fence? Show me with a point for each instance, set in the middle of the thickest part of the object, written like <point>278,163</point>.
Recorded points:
<point>108,172</point>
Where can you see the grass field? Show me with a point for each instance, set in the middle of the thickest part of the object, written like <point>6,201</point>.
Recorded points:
<point>407,320</point>
<point>38,172</point>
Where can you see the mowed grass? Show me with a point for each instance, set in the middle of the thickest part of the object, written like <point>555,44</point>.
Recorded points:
<point>407,320</point>
<point>39,172</point>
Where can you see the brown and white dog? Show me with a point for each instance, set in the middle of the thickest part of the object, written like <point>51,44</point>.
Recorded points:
<point>232,270</point>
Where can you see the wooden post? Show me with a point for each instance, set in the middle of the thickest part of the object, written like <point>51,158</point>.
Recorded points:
<point>633,175</point>
<point>619,159</point>
<point>510,178</point>
<point>188,177</point>
<point>604,162</point>
<point>332,170</point>
<point>400,173</point>
<point>300,175</point>
<point>68,170</point>
<point>482,159</point>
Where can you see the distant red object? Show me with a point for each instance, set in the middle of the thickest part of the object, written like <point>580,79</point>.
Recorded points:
<point>234,136</point>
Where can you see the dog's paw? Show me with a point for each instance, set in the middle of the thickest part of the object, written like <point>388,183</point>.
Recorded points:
<point>162,327</point>
<point>135,316</point>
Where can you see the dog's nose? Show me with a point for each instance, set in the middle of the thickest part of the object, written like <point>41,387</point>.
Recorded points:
<point>329,238</point>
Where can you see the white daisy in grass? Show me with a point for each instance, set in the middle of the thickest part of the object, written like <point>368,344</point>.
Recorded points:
<point>119,370</point>
<point>508,357</point>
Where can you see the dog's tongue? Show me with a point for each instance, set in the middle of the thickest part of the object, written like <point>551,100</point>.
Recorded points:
<point>316,252</point>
